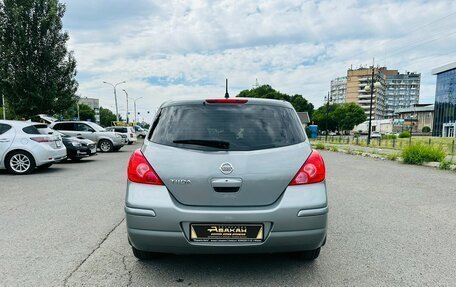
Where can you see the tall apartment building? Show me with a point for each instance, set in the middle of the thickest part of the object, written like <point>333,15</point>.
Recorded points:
<point>402,91</point>
<point>338,90</point>
<point>358,79</point>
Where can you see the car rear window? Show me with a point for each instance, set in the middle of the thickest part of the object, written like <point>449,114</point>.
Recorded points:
<point>37,130</point>
<point>244,127</point>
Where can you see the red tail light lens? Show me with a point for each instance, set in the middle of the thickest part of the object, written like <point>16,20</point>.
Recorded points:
<point>227,101</point>
<point>312,171</point>
<point>42,139</point>
<point>140,171</point>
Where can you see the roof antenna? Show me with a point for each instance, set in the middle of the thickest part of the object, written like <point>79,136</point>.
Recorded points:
<point>226,87</point>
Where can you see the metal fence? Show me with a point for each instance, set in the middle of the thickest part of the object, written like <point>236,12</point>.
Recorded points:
<point>446,144</point>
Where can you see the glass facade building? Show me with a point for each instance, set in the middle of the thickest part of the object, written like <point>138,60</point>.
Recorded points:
<point>445,101</point>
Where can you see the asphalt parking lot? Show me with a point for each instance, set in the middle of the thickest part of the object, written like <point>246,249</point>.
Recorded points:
<point>390,224</point>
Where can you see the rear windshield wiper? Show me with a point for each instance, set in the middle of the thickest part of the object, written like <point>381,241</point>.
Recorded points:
<point>209,143</point>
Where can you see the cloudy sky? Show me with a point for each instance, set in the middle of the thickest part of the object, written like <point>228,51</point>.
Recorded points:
<point>186,49</point>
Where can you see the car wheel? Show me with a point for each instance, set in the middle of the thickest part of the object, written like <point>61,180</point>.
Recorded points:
<point>105,146</point>
<point>309,255</point>
<point>20,162</point>
<point>45,166</point>
<point>144,255</point>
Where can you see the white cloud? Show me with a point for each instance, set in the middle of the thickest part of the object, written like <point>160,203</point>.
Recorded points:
<point>173,49</point>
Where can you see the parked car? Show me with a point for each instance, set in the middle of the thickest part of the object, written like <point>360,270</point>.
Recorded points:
<point>226,176</point>
<point>78,148</point>
<point>376,135</point>
<point>128,131</point>
<point>106,141</point>
<point>27,145</point>
<point>140,132</point>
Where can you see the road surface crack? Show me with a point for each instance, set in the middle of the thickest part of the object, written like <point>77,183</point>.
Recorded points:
<point>65,281</point>
<point>127,270</point>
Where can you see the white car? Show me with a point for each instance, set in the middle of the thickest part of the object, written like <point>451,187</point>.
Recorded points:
<point>140,132</point>
<point>27,145</point>
<point>128,131</point>
<point>376,135</point>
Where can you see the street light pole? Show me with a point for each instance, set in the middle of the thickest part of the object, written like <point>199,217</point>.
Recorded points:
<point>126,96</point>
<point>327,116</point>
<point>370,107</point>
<point>115,95</point>
<point>3,107</point>
<point>134,101</point>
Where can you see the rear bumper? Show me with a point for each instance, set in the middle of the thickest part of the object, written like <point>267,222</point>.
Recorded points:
<point>49,155</point>
<point>156,222</point>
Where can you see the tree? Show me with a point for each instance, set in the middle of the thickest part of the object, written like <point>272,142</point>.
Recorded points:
<point>86,113</point>
<point>348,116</point>
<point>37,72</point>
<point>341,117</point>
<point>106,117</point>
<point>324,115</point>
<point>267,92</point>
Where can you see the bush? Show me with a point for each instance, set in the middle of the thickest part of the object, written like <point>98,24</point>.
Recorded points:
<point>426,130</point>
<point>319,146</point>
<point>392,156</point>
<point>333,148</point>
<point>445,165</point>
<point>419,153</point>
<point>389,137</point>
<point>405,134</point>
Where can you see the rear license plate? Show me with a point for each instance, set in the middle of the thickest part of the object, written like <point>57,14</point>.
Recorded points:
<point>226,232</point>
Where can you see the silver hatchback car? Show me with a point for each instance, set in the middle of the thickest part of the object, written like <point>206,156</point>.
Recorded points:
<point>226,176</point>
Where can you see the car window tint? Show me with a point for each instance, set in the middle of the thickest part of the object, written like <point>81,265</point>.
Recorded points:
<point>4,128</point>
<point>81,127</point>
<point>64,126</point>
<point>245,127</point>
<point>31,130</point>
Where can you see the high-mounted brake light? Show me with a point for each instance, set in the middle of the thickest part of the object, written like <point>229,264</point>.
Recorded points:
<point>312,171</point>
<point>42,139</point>
<point>140,171</point>
<point>226,101</point>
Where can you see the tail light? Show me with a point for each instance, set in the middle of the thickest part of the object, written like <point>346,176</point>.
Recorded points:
<point>227,101</point>
<point>42,139</point>
<point>140,171</point>
<point>312,171</point>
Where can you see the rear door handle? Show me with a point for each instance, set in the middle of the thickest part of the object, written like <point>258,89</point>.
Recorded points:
<point>226,184</point>
<point>4,140</point>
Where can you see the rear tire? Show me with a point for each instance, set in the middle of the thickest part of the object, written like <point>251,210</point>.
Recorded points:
<point>105,146</point>
<point>144,255</point>
<point>309,255</point>
<point>130,143</point>
<point>20,162</point>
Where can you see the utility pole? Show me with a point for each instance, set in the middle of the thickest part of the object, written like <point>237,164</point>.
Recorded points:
<point>115,95</point>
